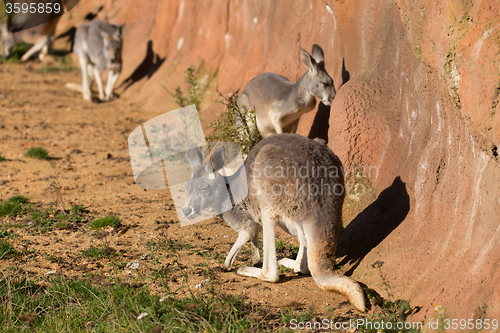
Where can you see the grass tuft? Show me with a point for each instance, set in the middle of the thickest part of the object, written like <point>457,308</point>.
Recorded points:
<point>2,158</point>
<point>104,251</point>
<point>16,53</point>
<point>13,206</point>
<point>112,221</point>
<point>64,65</point>
<point>37,152</point>
<point>6,250</point>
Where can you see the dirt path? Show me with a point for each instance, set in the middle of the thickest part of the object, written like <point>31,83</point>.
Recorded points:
<point>90,167</point>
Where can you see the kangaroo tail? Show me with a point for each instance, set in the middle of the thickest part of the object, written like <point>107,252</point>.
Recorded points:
<point>321,246</point>
<point>74,86</point>
<point>345,286</point>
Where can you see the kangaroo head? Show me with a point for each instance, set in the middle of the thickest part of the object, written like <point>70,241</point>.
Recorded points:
<point>113,43</point>
<point>206,186</point>
<point>320,84</point>
<point>7,41</point>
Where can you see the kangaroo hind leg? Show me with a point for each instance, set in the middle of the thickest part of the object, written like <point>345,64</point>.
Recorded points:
<point>269,271</point>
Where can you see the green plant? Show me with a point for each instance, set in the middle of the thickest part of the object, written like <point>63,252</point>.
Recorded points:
<point>236,124</point>
<point>37,152</point>
<point>286,250</point>
<point>65,65</point>
<point>2,158</point>
<point>103,251</point>
<point>13,206</point>
<point>391,312</point>
<point>6,250</point>
<point>17,52</point>
<point>193,95</point>
<point>66,305</point>
<point>49,218</point>
<point>112,221</point>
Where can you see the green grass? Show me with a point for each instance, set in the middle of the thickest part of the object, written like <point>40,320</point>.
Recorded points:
<point>37,152</point>
<point>6,250</point>
<point>16,53</point>
<point>64,305</point>
<point>50,218</point>
<point>14,206</point>
<point>64,65</point>
<point>2,158</point>
<point>103,251</point>
<point>43,219</point>
<point>107,221</point>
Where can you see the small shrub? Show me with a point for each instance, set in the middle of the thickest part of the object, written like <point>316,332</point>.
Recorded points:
<point>13,206</point>
<point>2,158</point>
<point>236,124</point>
<point>104,222</point>
<point>193,96</point>
<point>37,152</point>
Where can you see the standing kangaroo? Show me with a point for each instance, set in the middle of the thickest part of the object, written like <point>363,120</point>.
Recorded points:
<point>40,36</point>
<point>98,46</point>
<point>293,182</point>
<point>279,103</point>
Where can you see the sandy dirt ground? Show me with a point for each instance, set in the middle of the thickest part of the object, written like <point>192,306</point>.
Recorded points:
<point>90,166</point>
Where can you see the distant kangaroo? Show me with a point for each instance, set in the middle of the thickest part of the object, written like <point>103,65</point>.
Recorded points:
<point>279,103</point>
<point>293,182</point>
<point>98,46</point>
<point>40,36</point>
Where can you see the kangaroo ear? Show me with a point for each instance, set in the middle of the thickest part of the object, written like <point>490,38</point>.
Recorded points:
<point>194,156</point>
<point>219,158</point>
<point>309,61</point>
<point>317,54</point>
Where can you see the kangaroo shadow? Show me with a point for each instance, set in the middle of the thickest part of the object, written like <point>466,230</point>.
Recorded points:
<point>374,224</point>
<point>320,125</point>
<point>70,35</point>
<point>345,73</point>
<point>321,122</point>
<point>148,67</point>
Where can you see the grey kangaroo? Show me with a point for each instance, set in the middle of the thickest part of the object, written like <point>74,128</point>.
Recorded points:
<point>98,46</point>
<point>293,182</point>
<point>40,36</point>
<point>279,103</point>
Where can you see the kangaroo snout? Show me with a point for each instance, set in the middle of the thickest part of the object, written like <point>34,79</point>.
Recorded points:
<point>330,95</point>
<point>188,212</point>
